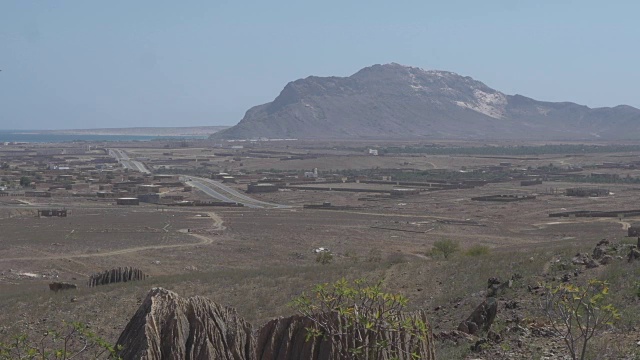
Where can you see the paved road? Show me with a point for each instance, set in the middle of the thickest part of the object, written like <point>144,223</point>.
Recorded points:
<point>127,162</point>
<point>223,192</point>
<point>212,188</point>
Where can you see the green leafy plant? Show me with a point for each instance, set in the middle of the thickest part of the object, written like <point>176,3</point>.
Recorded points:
<point>76,342</point>
<point>578,313</point>
<point>445,247</point>
<point>362,321</point>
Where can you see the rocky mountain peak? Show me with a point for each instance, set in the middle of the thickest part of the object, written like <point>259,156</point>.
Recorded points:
<point>394,101</point>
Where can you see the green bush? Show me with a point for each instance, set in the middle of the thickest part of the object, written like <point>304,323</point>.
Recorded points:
<point>76,341</point>
<point>324,258</point>
<point>368,315</point>
<point>445,247</point>
<point>477,250</point>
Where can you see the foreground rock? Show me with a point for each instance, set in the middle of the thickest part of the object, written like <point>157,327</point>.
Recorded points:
<point>167,326</point>
<point>481,318</point>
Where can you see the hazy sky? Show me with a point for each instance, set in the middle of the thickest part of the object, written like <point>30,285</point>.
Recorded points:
<point>87,64</point>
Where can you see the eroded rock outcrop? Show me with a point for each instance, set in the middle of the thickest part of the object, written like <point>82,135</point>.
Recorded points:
<point>167,326</point>
<point>121,274</point>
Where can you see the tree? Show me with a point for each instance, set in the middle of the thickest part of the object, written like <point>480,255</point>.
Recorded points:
<point>361,321</point>
<point>445,247</point>
<point>25,181</point>
<point>77,341</point>
<point>578,313</point>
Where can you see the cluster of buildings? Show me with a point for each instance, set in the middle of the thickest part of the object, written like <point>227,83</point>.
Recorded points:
<point>80,172</point>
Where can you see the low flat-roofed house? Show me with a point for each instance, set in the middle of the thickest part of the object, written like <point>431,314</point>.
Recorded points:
<point>52,213</point>
<point>634,230</point>
<point>401,192</point>
<point>128,201</point>
<point>261,188</point>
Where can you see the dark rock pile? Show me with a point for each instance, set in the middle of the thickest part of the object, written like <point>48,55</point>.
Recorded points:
<point>57,286</point>
<point>121,274</point>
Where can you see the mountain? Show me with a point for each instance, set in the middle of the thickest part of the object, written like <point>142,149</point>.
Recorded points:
<point>394,101</point>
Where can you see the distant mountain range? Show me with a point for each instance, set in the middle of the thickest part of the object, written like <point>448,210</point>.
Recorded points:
<point>394,101</point>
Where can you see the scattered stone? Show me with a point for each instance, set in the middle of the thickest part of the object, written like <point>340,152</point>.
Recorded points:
<point>634,254</point>
<point>580,259</point>
<point>454,336</point>
<point>479,345</point>
<point>494,336</point>
<point>496,287</point>
<point>592,264</point>
<point>606,259</point>
<point>511,304</point>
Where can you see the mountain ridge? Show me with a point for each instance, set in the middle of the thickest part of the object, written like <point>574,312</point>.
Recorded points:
<point>394,101</point>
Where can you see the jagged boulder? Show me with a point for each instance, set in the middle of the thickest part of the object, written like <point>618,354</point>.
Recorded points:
<point>496,287</point>
<point>601,249</point>
<point>57,286</point>
<point>121,274</point>
<point>167,326</point>
<point>481,318</point>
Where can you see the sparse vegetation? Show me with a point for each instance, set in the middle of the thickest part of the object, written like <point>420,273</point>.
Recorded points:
<point>444,248</point>
<point>324,257</point>
<point>25,181</point>
<point>578,313</point>
<point>75,341</point>
<point>371,319</point>
<point>477,250</point>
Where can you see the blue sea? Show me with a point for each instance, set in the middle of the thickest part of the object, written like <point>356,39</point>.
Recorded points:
<point>26,136</point>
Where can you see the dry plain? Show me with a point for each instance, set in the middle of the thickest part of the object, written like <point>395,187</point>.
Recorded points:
<point>258,259</point>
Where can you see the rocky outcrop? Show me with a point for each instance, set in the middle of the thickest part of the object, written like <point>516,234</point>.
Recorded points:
<point>57,286</point>
<point>481,318</point>
<point>121,274</point>
<point>167,326</point>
